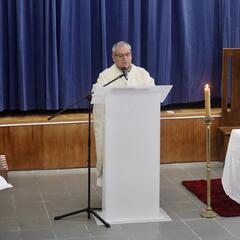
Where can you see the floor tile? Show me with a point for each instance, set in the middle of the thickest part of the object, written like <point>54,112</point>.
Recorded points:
<point>28,209</point>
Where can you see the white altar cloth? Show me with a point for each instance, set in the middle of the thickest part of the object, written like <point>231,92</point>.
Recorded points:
<point>231,171</point>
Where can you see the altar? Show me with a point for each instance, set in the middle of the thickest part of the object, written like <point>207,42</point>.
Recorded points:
<point>231,176</point>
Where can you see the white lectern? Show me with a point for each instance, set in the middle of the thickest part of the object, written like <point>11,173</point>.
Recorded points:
<point>131,168</point>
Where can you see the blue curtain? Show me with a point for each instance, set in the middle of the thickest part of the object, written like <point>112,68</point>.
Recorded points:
<point>51,51</point>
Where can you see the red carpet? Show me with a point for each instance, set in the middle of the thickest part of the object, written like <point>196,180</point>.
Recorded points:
<point>220,202</point>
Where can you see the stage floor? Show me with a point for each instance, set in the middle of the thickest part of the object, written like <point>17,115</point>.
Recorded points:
<point>30,117</point>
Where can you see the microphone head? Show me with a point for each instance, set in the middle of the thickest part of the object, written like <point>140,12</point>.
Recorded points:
<point>125,73</point>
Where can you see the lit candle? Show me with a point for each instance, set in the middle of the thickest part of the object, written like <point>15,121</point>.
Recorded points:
<point>207,100</point>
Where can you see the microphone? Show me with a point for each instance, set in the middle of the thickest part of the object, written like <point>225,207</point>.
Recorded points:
<point>125,73</point>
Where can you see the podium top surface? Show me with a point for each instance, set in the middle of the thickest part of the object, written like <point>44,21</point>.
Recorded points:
<point>101,92</point>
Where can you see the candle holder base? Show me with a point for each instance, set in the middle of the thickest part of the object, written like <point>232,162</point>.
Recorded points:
<point>208,213</point>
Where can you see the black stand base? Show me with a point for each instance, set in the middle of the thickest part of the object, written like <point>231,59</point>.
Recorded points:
<point>88,211</point>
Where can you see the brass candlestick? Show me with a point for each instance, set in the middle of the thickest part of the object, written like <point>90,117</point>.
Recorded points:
<point>208,212</point>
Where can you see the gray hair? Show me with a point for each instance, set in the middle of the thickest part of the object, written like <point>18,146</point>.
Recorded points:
<point>120,44</point>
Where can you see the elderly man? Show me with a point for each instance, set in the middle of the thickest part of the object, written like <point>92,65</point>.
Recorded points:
<point>134,76</point>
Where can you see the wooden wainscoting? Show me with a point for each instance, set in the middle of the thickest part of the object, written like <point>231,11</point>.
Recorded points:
<point>183,136</point>
<point>32,142</point>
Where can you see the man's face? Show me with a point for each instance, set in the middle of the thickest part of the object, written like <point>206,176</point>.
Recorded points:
<point>122,57</point>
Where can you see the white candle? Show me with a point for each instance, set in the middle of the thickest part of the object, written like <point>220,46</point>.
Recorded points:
<point>207,100</point>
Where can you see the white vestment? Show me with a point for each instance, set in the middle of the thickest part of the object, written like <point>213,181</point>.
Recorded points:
<point>137,76</point>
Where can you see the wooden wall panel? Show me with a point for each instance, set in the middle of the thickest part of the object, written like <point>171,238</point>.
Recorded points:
<point>19,147</point>
<point>64,145</point>
<point>53,146</point>
<point>46,146</point>
<point>183,140</point>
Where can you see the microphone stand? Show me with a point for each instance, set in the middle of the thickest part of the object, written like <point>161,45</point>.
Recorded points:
<point>88,209</point>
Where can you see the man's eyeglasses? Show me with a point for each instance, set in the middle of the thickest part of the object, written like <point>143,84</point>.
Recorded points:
<point>122,55</point>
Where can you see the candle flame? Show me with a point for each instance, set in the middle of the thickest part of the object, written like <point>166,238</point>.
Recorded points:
<point>206,86</point>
